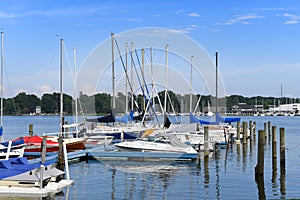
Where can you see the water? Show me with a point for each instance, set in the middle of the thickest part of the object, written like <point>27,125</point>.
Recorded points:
<point>228,175</point>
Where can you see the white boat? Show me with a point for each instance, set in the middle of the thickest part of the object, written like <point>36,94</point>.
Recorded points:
<point>12,149</point>
<point>160,143</point>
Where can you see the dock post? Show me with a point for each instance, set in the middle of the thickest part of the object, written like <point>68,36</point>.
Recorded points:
<point>269,129</point>
<point>282,162</point>
<point>206,152</point>
<point>245,132</point>
<point>274,155</point>
<point>238,132</point>
<point>43,149</point>
<point>254,130</point>
<point>60,158</point>
<point>265,129</point>
<point>30,129</point>
<point>259,169</point>
<point>250,128</point>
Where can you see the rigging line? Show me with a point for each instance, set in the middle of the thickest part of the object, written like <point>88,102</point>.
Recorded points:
<point>143,76</point>
<point>127,77</point>
<point>17,109</point>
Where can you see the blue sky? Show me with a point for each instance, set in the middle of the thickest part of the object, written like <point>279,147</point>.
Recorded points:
<point>258,41</point>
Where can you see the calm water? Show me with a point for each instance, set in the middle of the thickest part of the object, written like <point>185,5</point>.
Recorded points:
<point>228,175</point>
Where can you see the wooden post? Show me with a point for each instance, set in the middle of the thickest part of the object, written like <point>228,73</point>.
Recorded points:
<point>259,169</point>
<point>66,130</point>
<point>282,146</point>
<point>238,132</point>
<point>251,131</point>
<point>245,132</point>
<point>206,151</point>
<point>30,129</point>
<point>282,162</point>
<point>43,148</point>
<point>274,155</point>
<point>254,130</point>
<point>269,129</point>
<point>60,159</point>
<point>265,129</point>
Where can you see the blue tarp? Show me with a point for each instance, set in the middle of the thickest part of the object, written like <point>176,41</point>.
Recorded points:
<point>219,119</point>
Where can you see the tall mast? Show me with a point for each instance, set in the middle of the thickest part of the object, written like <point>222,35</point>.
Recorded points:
<point>113,74</point>
<point>2,66</point>
<point>75,91</point>
<point>216,82</point>
<point>191,95</point>
<point>61,85</point>
<point>166,81</point>
<point>132,98</point>
<point>126,84</point>
<point>152,76</point>
<point>143,71</point>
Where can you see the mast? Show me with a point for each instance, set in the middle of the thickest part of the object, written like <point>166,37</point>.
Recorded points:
<point>76,106</point>
<point>132,97</point>
<point>166,81</point>
<point>143,70</point>
<point>2,66</point>
<point>126,84</point>
<point>61,86</point>
<point>191,95</point>
<point>216,82</point>
<point>113,75</point>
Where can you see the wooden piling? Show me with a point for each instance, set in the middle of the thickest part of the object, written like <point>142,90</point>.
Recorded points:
<point>265,129</point>
<point>60,159</point>
<point>259,169</point>
<point>254,130</point>
<point>43,149</point>
<point>274,155</point>
<point>31,129</point>
<point>245,132</point>
<point>282,146</point>
<point>251,131</point>
<point>206,151</point>
<point>238,132</point>
<point>282,162</point>
<point>269,129</point>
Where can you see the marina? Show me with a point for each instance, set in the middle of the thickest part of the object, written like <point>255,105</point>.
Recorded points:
<point>225,173</point>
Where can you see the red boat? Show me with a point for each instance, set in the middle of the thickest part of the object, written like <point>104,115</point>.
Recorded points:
<point>34,143</point>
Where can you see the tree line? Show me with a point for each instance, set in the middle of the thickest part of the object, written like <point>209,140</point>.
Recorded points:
<point>100,103</point>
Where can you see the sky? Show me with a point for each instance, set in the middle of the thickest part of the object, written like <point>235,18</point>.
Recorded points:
<point>257,41</point>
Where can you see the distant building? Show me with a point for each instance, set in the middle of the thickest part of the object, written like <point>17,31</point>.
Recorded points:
<point>243,109</point>
<point>286,108</point>
<point>38,110</point>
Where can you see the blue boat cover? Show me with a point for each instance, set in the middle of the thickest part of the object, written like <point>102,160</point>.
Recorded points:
<point>219,119</point>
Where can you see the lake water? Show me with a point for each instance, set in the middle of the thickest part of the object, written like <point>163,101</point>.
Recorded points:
<point>227,175</point>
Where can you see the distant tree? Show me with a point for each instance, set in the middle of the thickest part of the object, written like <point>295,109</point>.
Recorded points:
<point>26,103</point>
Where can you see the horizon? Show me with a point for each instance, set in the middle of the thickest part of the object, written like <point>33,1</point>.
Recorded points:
<point>257,41</point>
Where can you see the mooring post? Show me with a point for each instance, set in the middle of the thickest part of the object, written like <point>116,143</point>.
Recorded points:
<point>274,155</point>
<point>30,129</point>
<point>259,169</point>
<point>282,162</point>
<point>43,149</point>
<point>60,159</point>
<point>238,132</point>
<point>245,132</point>
<point>250,129</point>
<point>254,130</point>
<point>206,151</point>
<point>269,129</point>
<point>282,147</point>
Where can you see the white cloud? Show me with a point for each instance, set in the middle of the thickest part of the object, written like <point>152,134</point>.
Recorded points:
<point>7,16</point>
<point>188,29</point>
<point>44,89</point>
<point>243,19</point>
<point>293,19</point>
<point>193,15</point>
